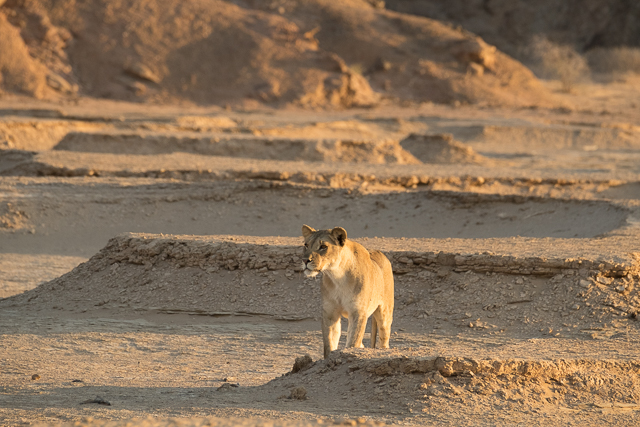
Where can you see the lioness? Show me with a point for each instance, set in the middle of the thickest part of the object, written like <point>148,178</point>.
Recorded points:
<point>356,283</point>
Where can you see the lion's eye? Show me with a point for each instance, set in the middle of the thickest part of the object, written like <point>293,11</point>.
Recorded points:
<point>323,247</point>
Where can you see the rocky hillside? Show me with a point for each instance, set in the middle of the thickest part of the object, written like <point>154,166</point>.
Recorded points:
<point>510,25</point>
<point>316,53</point>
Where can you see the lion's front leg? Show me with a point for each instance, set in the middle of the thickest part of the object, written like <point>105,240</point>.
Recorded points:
<point>331,329</point>
<point>355,332</point>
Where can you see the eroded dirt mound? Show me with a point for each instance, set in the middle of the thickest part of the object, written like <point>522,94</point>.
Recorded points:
<point>213,52</point>
<point>18,70</point>
<point>327,150</point>
<point>420,382</point>
<point>37,135</point>
<point>440,148</point>
<point>10,159</point>
<point>221,276</point>
<point>316,53</point>
<point>12,217</point>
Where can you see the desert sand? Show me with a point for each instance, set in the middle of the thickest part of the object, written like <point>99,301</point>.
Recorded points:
<point>171,242</point>
<point>150,247</point>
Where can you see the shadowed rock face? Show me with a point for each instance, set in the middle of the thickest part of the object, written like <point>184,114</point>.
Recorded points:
<point>511,25</point>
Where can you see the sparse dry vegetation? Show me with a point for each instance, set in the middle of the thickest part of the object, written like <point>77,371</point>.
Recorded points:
<point>615,60</point>
<point>555,61</point>
<point>18,70</point>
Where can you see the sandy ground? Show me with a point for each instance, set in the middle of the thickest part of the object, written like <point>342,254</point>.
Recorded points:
<point>514,243</point>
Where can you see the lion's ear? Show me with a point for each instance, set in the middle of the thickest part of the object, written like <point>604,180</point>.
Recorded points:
<point>340,234</point>
<point>307,231</point>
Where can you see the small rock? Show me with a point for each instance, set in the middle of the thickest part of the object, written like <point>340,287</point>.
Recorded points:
<point>99,400</point>
<point>143,72</point>
<point>60,84</point>
<point>585,283</point>
<point>456,391</point>
<point>298,393</point>
<point>35,377</point>
<point>345,422</point>
<point>604,280</point>
<point>475,50</point>
<point>381,65</point>
<point>302,363</point>
<point>475,69</point>
<point>228,386</point>
<point>437,377</point>
<point>479,324</point>
<point>433,390</point>
<point>137,87</point>
<point>443,272</point>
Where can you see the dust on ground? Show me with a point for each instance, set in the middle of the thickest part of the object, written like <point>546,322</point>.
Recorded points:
<point>169,280</point>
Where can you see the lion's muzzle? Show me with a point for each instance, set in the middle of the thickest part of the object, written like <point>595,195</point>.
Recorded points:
<point>309,268</point>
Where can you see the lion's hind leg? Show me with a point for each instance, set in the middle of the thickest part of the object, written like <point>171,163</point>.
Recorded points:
<point>355,332</point>
<point>382,320</point>
<point>374,331</point>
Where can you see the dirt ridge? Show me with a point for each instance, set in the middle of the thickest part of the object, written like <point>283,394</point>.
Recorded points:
<point>191,167</point>
<point>421,362</point>
<point>226,252</point>
<point>191,275</point>
<point>418,380</point>
<point>267,147</point>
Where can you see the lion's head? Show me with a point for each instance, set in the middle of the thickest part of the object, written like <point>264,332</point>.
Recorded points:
<point>321,248</point>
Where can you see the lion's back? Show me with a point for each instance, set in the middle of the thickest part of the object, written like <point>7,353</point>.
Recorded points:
<point>380,259</point>
<point>385,265</point>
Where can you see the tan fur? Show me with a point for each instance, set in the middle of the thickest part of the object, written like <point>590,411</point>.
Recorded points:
<point>356,284</point>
